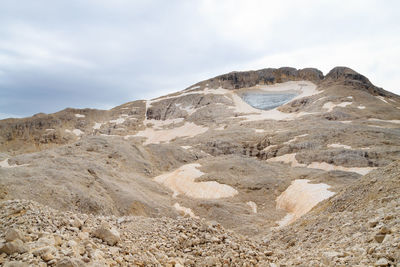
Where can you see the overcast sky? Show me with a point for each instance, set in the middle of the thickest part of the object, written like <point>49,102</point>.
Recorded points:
<point>102,53</point>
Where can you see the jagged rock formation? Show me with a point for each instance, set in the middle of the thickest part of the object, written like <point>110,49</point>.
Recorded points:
<point>238,80</point>
<point>153,158</point>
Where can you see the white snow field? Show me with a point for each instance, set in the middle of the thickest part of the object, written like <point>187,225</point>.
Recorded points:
<point>299,198</point>
<point>182,181</point>
<point>291,159</point>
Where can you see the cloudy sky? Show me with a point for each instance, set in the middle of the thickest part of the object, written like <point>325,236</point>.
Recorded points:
<point>102,53</point>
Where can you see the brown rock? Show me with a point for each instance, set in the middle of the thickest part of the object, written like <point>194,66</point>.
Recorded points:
<point>13,234</point>
<point>379,238</point>
<point>15,246</point>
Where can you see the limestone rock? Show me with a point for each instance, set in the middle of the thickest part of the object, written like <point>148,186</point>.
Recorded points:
<point>382,262</point>
<point>109,235</point>
<point>13,234</point>
<point>70,262</point>
<point>15,246</point>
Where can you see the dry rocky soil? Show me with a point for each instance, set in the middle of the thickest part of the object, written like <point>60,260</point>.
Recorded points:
<point>275,167</point>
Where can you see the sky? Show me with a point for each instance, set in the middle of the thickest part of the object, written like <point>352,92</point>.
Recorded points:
<point>100,54</point>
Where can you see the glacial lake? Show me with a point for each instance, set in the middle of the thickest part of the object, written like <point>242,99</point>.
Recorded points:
<point>266,101</point>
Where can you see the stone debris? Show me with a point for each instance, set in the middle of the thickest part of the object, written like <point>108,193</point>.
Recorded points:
<point>359,226</point>
<point>126,241</point>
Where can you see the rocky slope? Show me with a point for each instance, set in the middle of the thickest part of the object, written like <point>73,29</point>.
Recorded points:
<point>358,227</point>
<point>206,153</point>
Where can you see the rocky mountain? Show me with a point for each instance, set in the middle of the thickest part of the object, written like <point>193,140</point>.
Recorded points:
<point>275,166</point>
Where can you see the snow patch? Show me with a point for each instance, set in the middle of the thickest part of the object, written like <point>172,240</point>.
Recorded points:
<point>299,198</point>
<point>76,132</point>
<point>339,146</point>
<point>189,129</point>
<point>185,211</point>
<point>295,138</point>
<point>6,165</point>
<point>303,88</point>
<point>97,125</point>
<point>382,99</point>
<point>80,116</point>
<point>329,106</point>
<point>390,121</point>
<point>120,120</point>
<point>287,158</point>
<point>182,181</point>
<point>291,159</point>
<point>186,147</point>
<point>253,206</point>
<point>361,107</point>
<point>189,109</point>
<point>194,87</point>
<point>330,167</point>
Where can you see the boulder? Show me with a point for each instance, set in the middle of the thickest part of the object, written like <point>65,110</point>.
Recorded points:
<point>15,246</point>
<point>13,234</point>
<point>108,234</point>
